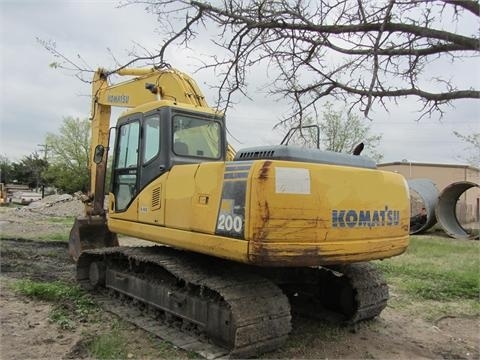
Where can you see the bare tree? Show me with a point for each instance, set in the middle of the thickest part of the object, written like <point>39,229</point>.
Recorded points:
<point>361,51</point>
<point>339,131</point>
<point>472,152</point>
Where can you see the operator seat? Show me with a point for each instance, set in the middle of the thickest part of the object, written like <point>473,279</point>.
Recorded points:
<point>180,148</point>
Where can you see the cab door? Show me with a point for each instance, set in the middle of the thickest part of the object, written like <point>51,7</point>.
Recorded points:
<point>153,170</point>
<point>126,165</point>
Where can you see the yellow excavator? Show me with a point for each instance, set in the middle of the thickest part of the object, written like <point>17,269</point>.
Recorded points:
<point>242,239</point>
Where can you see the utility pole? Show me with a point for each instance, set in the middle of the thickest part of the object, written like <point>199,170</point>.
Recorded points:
<point>45,152</point>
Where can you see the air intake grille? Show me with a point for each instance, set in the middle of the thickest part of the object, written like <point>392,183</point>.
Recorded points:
<point>156,198</point>
<point>257,154</point>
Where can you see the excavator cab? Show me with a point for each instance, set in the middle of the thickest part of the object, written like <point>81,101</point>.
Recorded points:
<point>151,143</point>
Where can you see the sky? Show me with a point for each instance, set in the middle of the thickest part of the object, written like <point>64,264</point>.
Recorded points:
<point>35,98</point>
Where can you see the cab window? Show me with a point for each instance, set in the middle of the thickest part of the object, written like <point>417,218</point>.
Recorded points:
<point>194,137</point>
<point>152,138</point>
<point>125,171</point>
<point>127,155</point>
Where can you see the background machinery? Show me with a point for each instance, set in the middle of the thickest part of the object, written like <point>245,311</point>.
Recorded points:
<point>3,195</point>
<point>243,239</point>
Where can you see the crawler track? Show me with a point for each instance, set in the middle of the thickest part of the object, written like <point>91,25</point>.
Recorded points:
<point>217,308</point>
<point>369,289</point>
<point>344,294</point>
<point>242,313</point>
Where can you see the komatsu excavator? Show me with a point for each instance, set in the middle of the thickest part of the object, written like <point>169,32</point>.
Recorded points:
<point>242,239</point>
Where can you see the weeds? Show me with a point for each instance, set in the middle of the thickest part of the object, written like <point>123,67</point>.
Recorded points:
<point>111,345</point>
<point>71,304</point>
<point>108,346</point>
<point>53,291</point>
<point>62,318</point>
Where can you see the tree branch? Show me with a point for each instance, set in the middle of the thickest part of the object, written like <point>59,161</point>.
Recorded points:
<point>468,42</point>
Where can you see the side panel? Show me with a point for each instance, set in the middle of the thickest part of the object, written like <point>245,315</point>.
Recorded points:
<point>179,194</point>
<point>208,187</point>
<point>232,212</point>
<point>273,213</point>
<point>185,198</point>
<point>209,244</point>
<point>180,209</point>
<point>312,214</point>
<point>195,193</point>
<point>151,202</point>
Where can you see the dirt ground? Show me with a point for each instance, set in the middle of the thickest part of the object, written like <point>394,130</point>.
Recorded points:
<point>26,332</point>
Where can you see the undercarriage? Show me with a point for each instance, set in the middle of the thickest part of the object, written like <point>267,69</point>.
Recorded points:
<point>224,308</point>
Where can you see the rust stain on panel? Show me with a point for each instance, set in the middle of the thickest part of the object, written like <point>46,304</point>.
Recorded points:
<point>264,216</point>
<point>263,256</point>
<point>265,170</point>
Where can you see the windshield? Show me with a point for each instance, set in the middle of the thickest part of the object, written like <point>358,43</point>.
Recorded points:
<point>196,137</point>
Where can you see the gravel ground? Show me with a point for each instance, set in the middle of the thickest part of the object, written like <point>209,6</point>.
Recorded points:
<point>55,205</point>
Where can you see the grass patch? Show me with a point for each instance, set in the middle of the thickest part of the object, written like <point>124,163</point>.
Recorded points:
<point>436,270</point>
<point>60,237</point>
<point>111,345</point>
<point>52,291</point>
<point>65,220</point>
<point>71,304</point>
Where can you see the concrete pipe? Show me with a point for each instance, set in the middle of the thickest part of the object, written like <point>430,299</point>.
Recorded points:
<point>428,196</point>
<point>446,210</point>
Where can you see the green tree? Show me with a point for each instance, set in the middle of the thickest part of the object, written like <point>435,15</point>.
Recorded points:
<point>29,171</point>
<point>68,154</point>
<point>6,170</point>
<point>340,131</point>
<point>473,149</point>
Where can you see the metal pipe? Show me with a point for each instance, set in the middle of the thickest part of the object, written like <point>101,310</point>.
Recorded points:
<point>446,210</point>
<point>428,193</point>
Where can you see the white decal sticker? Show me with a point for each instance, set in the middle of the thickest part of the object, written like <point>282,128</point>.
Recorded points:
<point>292,180</point>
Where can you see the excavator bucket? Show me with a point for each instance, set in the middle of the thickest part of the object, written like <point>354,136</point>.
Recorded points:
<point>90,233</point>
